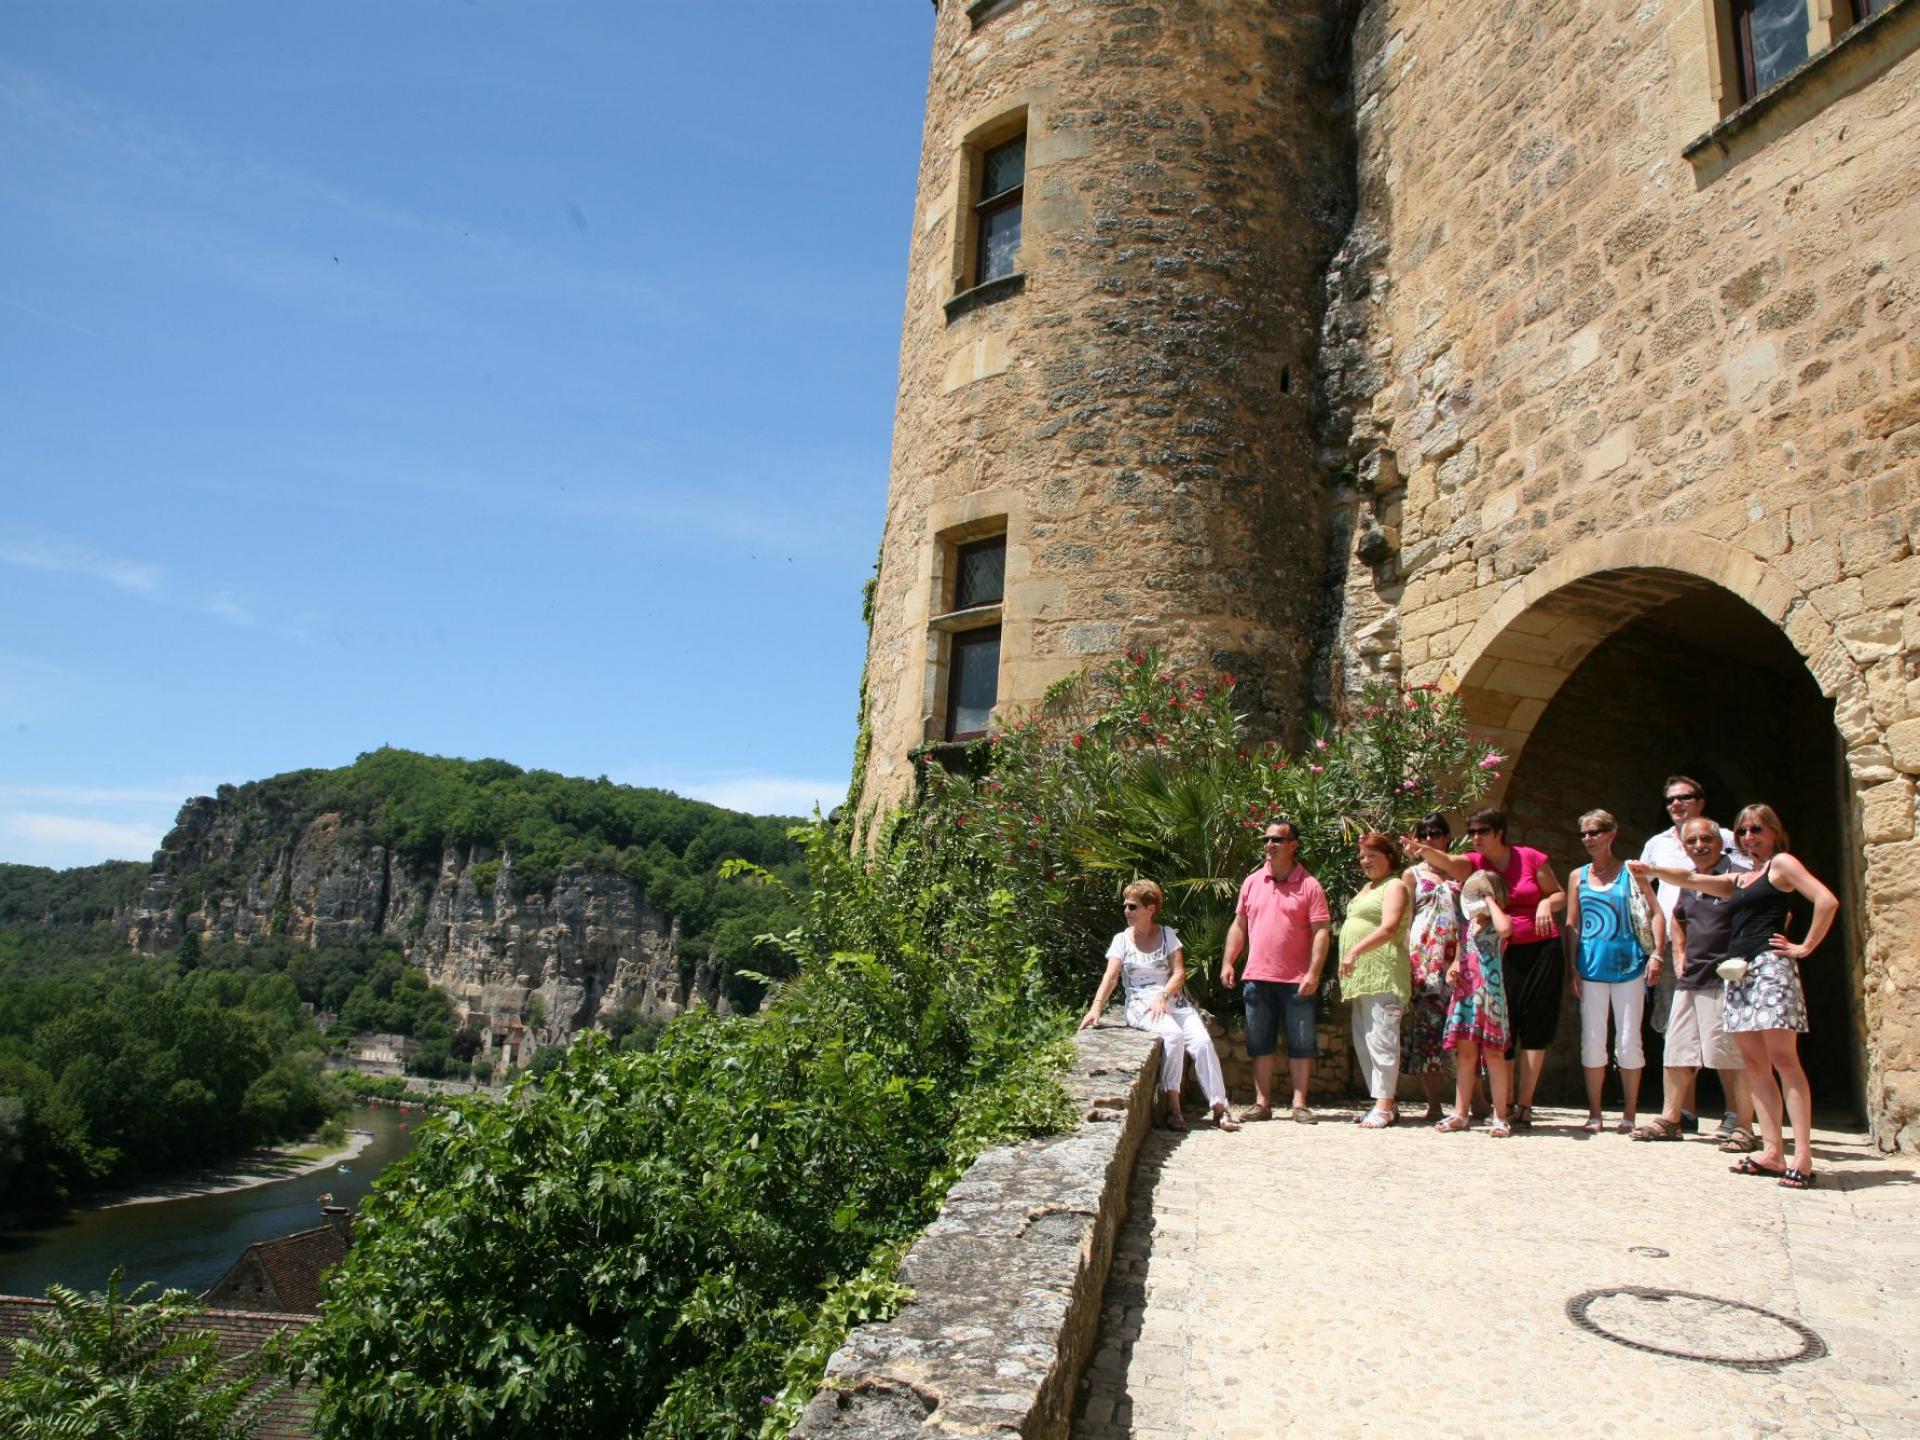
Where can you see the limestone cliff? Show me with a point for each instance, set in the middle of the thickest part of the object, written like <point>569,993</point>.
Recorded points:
<point>241,867</point>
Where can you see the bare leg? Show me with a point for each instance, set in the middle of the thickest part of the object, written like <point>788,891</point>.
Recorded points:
<point>1783,1051</point>
<point>1739,1097</point>
<point>1531,1063</point>
<point>1170,1099</point>
<point>1263,1081</point>
<point>1434,1082</point>
<point>1676,1089</point>
<point>1467,1057</point>
<point>1630,1082</point>
<point>1689,1095</point>
<point>1772,1153</point>
<point>1500,1081</point>
<point>1300,1071</point>
<point>1596,1083</point>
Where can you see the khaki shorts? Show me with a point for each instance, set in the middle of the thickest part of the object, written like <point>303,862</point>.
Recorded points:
<point>1694,1034</point>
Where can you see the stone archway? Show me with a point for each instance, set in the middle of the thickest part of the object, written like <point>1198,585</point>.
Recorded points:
<point>1595,607</point>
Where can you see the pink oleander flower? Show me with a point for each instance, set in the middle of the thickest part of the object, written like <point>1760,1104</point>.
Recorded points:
<point>1319,744</point>
<point>1318,769</point>
<point>1079,740</point>
<point>1492,760</point>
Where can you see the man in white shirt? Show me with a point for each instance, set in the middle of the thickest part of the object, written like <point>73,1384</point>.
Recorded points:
<point>1686,799</point>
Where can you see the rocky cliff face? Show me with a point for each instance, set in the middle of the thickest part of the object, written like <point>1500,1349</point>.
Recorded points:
<point>238,869</point>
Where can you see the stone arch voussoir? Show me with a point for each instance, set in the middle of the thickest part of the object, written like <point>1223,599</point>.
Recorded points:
<point>1545,624</point>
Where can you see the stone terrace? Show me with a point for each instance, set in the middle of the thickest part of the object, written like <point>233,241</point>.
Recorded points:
<point>1401,1282</point>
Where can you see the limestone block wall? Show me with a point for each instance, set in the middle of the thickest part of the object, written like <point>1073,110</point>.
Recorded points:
<point>1589,374</point>
<point>1007,1281</point>
<point>1141,411</point>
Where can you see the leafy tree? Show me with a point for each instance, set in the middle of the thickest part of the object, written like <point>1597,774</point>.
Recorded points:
<point>116,1367</point>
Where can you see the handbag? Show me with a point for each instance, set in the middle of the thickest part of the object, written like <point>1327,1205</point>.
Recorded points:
<point>1640,916</point>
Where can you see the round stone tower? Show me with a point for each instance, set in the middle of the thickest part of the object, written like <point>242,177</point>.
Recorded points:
<point>1105,430</point>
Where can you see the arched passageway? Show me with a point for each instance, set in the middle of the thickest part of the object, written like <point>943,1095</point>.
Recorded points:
<point>1607,685</point>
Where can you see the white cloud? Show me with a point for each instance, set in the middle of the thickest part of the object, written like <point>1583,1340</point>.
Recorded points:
<point>51,555</point>
<point>61,841</point>
<point>766,794</point>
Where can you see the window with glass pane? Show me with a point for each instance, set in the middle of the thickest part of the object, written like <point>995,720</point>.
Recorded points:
<point>980,573</point>
<point>1773,41</point>
<point>973,682</point>
<point>1003,174</point>
<point>1867,9</point>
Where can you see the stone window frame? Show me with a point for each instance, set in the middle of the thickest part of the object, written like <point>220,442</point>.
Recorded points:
<point>981,11</point>
<point>1844,53</point>
<point>1729,68</point>
<point>969,293</point>
<point>944,627</point>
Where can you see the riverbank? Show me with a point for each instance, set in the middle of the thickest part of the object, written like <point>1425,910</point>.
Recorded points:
<point>262,1167</point>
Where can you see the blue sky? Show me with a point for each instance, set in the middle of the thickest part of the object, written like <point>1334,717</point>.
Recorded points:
<point>485,378</point>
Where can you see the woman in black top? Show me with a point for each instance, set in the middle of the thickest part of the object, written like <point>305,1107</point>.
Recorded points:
<point>1765,1009</point>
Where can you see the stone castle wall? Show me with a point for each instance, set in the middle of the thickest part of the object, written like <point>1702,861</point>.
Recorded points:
<point>1141,412</point>
<point>1601,376</point>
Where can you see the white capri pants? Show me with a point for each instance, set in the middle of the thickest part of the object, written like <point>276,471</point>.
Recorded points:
<point>1182,1033</point>
<point>1627,1000</point>
<point>1376,1040</point>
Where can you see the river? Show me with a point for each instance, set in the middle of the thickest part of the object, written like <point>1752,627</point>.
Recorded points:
<point>190,1243</point>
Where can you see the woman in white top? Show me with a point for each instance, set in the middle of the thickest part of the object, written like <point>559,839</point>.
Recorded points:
<point>1147,955</point>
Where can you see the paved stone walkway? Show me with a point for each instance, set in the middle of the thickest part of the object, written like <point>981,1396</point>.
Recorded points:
<point>1406,1283</point>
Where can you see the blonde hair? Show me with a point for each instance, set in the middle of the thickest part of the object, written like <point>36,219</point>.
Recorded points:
<point>1601,818</point>
<point>1766,815</point>
<point>1145,890</point>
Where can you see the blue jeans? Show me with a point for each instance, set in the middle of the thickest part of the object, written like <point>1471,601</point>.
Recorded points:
<point>1271,1003</point>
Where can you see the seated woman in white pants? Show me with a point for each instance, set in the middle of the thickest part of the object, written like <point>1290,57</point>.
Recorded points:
<point>1611,969</point>
<point>1147,955</point>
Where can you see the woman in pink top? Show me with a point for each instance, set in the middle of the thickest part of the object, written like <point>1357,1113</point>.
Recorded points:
<point>1535,964</point>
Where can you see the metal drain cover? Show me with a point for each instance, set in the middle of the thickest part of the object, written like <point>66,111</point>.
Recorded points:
<point>1695,1327</point>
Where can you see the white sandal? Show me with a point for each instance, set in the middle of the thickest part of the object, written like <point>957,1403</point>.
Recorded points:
<point>1378,1119</point>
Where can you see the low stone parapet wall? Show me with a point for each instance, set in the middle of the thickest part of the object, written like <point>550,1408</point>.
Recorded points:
<point>1007,1281</point>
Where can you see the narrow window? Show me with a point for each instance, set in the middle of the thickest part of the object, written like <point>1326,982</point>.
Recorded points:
<point>980,573</point>
<point>973,682</point>
<point>1772,40</point>
<point>1867,9</point>
<point>1003,173</point>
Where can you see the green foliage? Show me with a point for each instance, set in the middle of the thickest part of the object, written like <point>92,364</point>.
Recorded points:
<point>1133,772</point>
<point>114,1367</point>
<point>112,1069</point>
<point>31,895</point>
<point>666,1239</point>
<point>644,1244</point>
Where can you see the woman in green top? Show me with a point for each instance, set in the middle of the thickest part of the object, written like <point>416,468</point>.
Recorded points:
<point>1374,974</point>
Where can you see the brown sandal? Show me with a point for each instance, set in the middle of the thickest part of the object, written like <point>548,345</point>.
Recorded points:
<point>1658,1128</point>
<point>1740,1142</point>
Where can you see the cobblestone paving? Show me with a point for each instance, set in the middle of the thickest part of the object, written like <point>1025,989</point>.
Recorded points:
<point>1402,1282</point>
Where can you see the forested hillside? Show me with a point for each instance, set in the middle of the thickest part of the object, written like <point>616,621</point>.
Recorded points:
<point>159,1016</point>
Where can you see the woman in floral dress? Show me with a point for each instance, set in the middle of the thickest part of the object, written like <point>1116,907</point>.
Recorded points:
<point>1433,940</point>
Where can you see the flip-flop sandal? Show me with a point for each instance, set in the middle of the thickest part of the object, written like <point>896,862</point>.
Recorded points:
<point>1791,1179</point>
<point>1748,1166</point>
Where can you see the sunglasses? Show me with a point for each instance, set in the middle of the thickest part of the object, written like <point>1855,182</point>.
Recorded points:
<point>1751,830</point>
<point>1594,834</point>
<point>1479,830</point>
<point>1429,834</point>
<point>1280,840</point>
<point>1132,905</point>
<point>1690,795</point>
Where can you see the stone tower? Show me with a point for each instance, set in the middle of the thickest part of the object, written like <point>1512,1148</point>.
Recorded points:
<point>1105,428</point>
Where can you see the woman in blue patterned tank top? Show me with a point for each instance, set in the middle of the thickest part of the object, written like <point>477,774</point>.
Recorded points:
<point>1611,971</point>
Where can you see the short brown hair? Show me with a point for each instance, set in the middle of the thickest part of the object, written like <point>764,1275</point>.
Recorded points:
<point>1381,844</point>
<point>1688,781</point>
<point>1145,890</point>
<point>1489,815</point>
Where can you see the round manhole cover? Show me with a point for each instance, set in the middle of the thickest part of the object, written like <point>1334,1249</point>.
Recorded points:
<point>1695,1327</point>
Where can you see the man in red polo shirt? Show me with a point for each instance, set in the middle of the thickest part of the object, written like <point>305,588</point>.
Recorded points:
<point>1284,927</point>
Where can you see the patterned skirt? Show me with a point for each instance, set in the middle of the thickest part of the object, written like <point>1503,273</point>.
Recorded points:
<point>1770,998</point>
<point>1479,1009</point>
